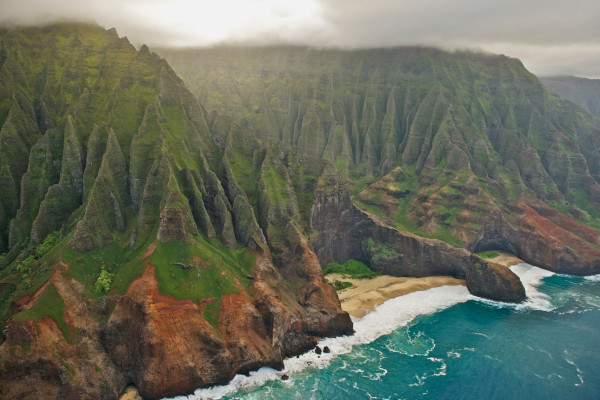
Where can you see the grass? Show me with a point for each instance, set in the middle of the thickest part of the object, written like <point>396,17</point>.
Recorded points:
<point>409,183</point>
<point>201,270</point>
<point>341,285</point>
<point>350,269</point>
<point>488,254</point>
<point>114,259</point>
<point>69,369</point>
<point>51,305</point>
<point>381,255</point>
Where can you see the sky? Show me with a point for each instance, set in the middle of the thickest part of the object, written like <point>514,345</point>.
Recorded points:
<point>551,37</point>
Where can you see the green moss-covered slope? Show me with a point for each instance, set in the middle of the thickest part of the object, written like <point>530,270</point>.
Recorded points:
<point>469,132</point>
<point>127,211</point>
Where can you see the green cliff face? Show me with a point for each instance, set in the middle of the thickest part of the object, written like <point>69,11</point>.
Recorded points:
<point>121,197</point>
<point>429,140</point>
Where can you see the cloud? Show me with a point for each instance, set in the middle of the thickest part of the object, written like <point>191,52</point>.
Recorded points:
<point>549,36</point>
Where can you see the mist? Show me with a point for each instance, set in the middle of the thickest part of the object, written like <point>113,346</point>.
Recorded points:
<point>551,37</point>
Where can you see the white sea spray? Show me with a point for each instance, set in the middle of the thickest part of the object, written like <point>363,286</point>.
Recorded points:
<point>385,319</point>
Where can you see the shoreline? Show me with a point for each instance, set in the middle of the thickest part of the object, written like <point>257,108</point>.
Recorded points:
<point>505,259</point>
<point>366,294</point>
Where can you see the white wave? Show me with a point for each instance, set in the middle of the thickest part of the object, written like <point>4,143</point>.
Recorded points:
<point>579,373</point>
<point>593,278</point>
<point>531,277</point>
<point>440,371</point>
<point>386,318</point>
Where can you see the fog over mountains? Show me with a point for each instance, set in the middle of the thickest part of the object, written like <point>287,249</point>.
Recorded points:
<point>550,37</point>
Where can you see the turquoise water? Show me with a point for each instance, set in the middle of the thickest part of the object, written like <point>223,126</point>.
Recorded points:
<point>444,343</point>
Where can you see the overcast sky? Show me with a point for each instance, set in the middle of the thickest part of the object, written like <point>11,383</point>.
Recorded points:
<point>551,37</point>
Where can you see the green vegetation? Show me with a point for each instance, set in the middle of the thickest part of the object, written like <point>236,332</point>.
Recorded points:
<point>118,262</point>
<point>201,270</point>
<point>25,268</point>
<point>350,269</point>
<point>436,114</point>
<point>488,254</point>
<point>104,281</point>
<point>341,285</point>
<point>213,312</point>
<point>381,254</point>
<point>43,248</point>
<point>51,305</point>
<point>69,369</point>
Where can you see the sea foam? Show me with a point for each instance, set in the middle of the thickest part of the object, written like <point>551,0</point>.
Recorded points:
<point>593,278</point>
<point>386,318</point>
<point>531,277</point>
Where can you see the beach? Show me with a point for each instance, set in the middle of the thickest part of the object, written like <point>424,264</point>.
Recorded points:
<point>366,294</point>
<point>505,259</point>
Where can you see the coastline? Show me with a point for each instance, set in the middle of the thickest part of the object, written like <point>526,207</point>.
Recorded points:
<point>366,294</point>
<point>505,259</point>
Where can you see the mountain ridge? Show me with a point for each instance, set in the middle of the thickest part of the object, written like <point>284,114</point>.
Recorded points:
<point>582,91</point>
<point>122,204</point>
<point>461,133</point>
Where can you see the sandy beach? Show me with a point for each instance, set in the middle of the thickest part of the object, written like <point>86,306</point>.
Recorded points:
<point>366,294</point>
<point>505,259</point>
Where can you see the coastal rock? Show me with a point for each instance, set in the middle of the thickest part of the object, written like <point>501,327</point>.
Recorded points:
<point>163,345</point>
<point>556,242</point>
<point>42,359</point>
<point>345,232</point>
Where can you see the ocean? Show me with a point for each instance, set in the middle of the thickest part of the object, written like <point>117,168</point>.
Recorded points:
<point>444,343</point>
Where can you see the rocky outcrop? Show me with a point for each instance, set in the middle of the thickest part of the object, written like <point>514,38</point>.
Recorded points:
<point>64,197</point>
<point>105,208</point>
<point>44,359</point>
<point>163,345</point>
<point>253,332</point>
<point>345,232</point>
<point>554,241</point>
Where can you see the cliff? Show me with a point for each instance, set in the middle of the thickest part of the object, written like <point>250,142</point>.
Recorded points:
<point>146,242</point>
<point>467,148</point>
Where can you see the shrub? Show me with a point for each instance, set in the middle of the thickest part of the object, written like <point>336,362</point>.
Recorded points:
<point>104,281</point>
<point>488,254</point>
<point>352,269</point>
<point>340,285</point>
<point>46,245</point>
